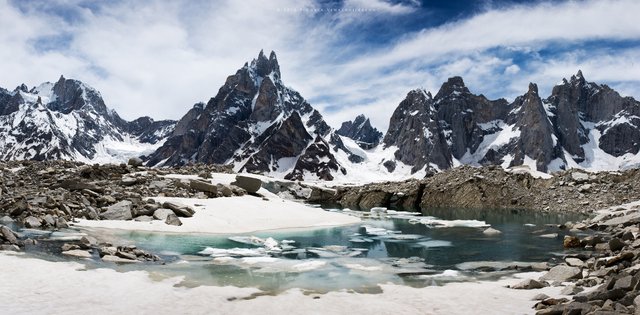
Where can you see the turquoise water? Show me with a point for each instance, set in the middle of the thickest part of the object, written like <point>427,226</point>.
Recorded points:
<point>407,252</point>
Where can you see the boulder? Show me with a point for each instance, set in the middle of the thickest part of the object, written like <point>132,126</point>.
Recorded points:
<point>571,290</point>
<point>49,220</point>
<point>116,259</point>
<point>77,253</point>
<point>8,234</point>
<point>9,247</point>
<point>248,183</point>
<point>173,219</point>
<point>570,241</point>
<point>32,222</point>
<point>579,177</point>
<point>562,273</point>
<point>107,251</point>
<point>61,223</point>
<point>128,181</point>
<point>203,186</point>
<point>574,262</point>
<point>135,161</point>
<point>162,213</point>
<point>179,209</point>
<point>225,190</point>
<point>118,211</point>
<point>126,255</point>
<point>528,284</point>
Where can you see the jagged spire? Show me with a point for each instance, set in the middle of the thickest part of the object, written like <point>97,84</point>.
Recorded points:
<point>453,84</point>
<point>533,88</point>
<point>265,66</point>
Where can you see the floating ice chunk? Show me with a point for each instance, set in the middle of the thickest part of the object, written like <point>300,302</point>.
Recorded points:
<point>360,240</point>
<point>378,210</point>
<point>249,240</point>
<point>233,252</point>
<point>453,223</point>
<point>370,230</point>
<point>404,237</point>
<point>271,244</point>
<point>363,268</point>
<point>435,243</point>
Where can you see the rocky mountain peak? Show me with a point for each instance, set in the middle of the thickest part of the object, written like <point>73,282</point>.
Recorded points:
<point>533,89</point>
<point>265,66</point>
<point>454,85</point>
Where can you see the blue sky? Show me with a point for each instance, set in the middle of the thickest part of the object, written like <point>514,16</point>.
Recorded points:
<point>348,57</point>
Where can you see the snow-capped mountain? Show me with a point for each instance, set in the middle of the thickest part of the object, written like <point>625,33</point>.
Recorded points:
<point>581,125</point>
<point>259,125</point>
<point>69,120</point>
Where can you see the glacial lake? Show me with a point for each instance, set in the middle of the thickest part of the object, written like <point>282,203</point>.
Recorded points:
<point>440,246</point>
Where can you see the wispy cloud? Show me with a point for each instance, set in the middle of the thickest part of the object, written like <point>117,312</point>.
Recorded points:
<point>159,57</point>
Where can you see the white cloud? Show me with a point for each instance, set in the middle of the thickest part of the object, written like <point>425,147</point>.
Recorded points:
<point>512,69</point>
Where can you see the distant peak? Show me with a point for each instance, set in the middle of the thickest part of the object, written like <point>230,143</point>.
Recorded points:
<point>62,78</point>
<point>578,77</point>
<point>455,81</point>
<point>22,87</point>
<point>533,88</point>
<point>264,66</point>
<point>453,84</point>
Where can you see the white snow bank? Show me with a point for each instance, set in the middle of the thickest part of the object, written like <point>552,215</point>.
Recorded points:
<point>228,215</point>
<point>33,286</point>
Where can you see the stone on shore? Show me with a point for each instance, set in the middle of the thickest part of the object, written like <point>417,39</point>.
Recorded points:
<point>179,209</point>
<point>203,186</point>
<point>118,211</point>
<point>562,273</point>
<point>162,213</point>
<point>528,284</point>
<point>78,253</point>
<point>248,183</point>
<point>173,219</point>
<point>116,259</point>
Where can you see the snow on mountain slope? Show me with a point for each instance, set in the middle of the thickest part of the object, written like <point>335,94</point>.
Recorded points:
<point>69,120</point>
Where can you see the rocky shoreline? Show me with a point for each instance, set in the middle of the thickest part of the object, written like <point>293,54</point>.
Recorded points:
<point>493,187</point>
<point>50,195</point>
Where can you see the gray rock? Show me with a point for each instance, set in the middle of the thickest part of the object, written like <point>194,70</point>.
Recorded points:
<point>49,220</point>
<point>118,211</point>
<point>126,255</point>
<point>571,290</point>
<point>78,253</point>
<point>162,213</point>
<point>135,161</point>
<point>88,241</point>
<point>562,273</point>
<point>248,183</point>
<point>6,219</point>
<point>61,223</point>
<point>574,262</point>
<point>203,186</point>
<point>173,219</point>
<point>91,213</point>
<point>32,222</point>
<point>116,259</point>
<point>9,247</point>
<point>225,190</point>
<point>579,177</point>
<point>107,251</point>
<point>128,181</point>
<point>179,209</point>
<point>626,283</point>
<point>528,284</point>
<point>8,235</point>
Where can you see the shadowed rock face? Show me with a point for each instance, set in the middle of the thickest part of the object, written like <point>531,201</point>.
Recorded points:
<point>361,131</point>
<point>255,123</point>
